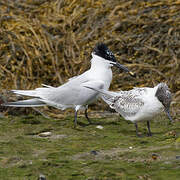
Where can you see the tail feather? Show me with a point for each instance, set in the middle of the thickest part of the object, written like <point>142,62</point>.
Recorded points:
<point>107,96</point>
<point>25,103</point>
<point>44,85</point>
<point>25,92</point>
<point>33,93</point>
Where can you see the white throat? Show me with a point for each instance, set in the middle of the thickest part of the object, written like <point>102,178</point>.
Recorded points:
<point>99,62</point>
<point>101,70</point>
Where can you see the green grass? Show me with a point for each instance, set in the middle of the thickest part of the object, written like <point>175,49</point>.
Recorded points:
<point>66,154</point>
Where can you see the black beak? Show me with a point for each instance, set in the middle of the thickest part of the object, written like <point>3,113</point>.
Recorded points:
<point>123,68</point>
<point>168,114</point>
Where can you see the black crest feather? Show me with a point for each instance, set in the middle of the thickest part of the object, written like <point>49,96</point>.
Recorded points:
<point>102,50</point>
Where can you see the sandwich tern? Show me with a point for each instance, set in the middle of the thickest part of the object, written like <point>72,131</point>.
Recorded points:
<point>139,104</point>
<point>73,94</point>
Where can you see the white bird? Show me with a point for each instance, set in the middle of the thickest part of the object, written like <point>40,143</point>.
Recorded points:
<point>73,94</point>
<point>138,104</point>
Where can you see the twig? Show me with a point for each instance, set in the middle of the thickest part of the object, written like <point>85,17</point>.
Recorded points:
<point>44,115</point>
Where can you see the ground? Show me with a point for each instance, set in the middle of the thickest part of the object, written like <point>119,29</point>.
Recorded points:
<point>87,152</point>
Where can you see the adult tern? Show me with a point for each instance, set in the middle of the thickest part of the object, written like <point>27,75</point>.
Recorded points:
<point>73,94</point>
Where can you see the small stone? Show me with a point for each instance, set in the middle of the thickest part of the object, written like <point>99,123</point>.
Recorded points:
<point>155,156</point>
<point>130,147</point>
<point>99,127</point>
<point>42,177</point>
<point>172,133</point>
<point>45,134</point>
<point>1,115</point>
<point>94,152</point>
<point>178,157</point>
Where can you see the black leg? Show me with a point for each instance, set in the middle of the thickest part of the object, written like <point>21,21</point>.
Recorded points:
<point>86,115</point>
<point>136,126</point>
<point>149,130</point>
<point>75,119</point>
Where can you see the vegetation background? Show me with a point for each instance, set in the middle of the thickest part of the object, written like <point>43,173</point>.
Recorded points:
<point>49,41</point>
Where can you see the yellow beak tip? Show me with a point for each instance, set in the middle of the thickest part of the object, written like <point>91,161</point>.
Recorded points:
<point>131,73</point>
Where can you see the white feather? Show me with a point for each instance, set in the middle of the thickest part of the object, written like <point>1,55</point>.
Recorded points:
<point>73,94</point>
<point>135,105</point>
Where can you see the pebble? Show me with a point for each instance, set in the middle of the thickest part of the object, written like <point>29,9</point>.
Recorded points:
<point>99,127</point>
<point>94,152</point>
<point>45,134</point>
<point>42,177</point>
<point>155,156</point>
<point>178,157</point>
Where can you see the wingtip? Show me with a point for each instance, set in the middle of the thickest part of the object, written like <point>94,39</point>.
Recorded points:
<point>89,87</point>
<point>86,86</point>
<point>4,104</point>
<point>12,91</point>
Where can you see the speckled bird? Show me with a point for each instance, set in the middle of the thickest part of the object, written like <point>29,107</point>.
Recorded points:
<point>139,104</point>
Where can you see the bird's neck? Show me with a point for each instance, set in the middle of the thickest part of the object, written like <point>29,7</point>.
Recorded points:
<point>99,63</point>
<point>101,70</point>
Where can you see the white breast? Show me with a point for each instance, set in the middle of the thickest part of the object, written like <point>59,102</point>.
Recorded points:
<point>152,106</point>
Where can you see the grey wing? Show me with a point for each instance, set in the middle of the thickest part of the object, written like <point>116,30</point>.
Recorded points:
<point>71,93</point>
<point>127,106</point>
<point>111,98</point>
<point>130,96</point>
<point>64,94</point>
<point>76,79</point>
<point>128,103</point>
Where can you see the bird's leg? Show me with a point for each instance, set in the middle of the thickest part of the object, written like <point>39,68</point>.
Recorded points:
<point>136,126</point>
<point>149,130</point>
<point>75,119</point>
<point>86,115</point>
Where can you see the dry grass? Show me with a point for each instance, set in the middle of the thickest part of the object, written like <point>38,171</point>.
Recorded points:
<point>49,41</point>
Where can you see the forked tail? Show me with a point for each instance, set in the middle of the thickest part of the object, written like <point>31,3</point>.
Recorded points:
<point>25,103</point>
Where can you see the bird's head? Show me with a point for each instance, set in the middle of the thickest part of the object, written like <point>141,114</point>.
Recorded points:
<point>164,96</point>
<point>108,57</point>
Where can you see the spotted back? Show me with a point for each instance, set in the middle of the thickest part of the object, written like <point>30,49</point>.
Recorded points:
<point>127,103</point>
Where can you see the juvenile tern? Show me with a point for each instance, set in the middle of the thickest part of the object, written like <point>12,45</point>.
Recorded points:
<point>73,94</point>
<point>138,104</point>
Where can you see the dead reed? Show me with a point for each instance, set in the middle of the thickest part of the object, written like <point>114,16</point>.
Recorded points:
<point>49,41</point>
